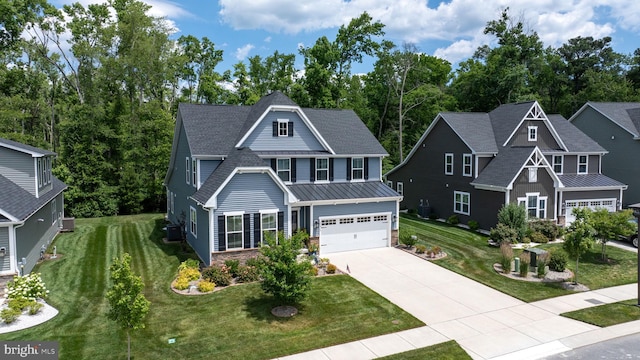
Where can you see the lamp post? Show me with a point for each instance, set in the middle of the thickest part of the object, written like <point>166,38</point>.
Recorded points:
<point>636,213</point>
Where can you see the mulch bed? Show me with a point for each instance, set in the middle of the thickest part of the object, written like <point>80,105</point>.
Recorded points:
<point>425,256</point>
<point>550,276</point>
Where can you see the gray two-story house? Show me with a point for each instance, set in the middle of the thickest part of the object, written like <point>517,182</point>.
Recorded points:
<point>31,205</point>
<point>239,172</point>
<point>616,127</point>
<point>472,164</point>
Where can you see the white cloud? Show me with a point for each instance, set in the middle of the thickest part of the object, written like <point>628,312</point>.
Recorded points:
<point>267,39</point>
<point>243,52</point>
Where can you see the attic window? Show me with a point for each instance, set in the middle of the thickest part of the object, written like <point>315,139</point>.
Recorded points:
<point>283,128</point>
<point>533,133</point>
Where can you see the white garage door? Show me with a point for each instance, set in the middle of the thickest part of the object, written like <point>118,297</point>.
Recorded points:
<point>609,204</point>
<point>354,232</point>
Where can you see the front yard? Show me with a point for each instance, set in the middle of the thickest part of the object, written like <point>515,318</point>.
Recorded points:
<point>234,323</point>
<point>469,254</point>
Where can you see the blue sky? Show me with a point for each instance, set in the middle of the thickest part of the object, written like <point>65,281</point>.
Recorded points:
<point>448,29</point>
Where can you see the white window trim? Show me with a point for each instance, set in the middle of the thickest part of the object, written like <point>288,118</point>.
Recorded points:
<point>586,165</point>
<point>194,171</point>
<point>318,169</point>
<point>226,229</point>
<point>534,133</point>
<point>462,194</point>
<point>54,212</point>
<point>561,163</point>
<point>400,188</point>
<point>353,169</point>
<point>193,221</point>
<point>40,177</point>
<point>288,170</point>
<point>466,166</point>
<point>533,175</point>
<point>187,167</point>
<point>448,160</point>
<point>525,201</point>
<point>390,183</point>
<point>262,229</point>
<point>286,127</point>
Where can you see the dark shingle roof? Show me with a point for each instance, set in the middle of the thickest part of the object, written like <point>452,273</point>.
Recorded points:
<point>501,171</point>
<point>588,181</point>
<point>21,204</point>
<point>474,129</point>
<point>625,114</point>
<point>25,148</point>
<point>242,157</point>
<point>574,139</point>
<point>340,191</point>
<point>505,119</point>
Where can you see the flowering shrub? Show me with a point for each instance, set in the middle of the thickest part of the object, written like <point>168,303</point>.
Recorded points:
<point>218,275</point>
<point>206,286</point>
<point>29,286</point>
<point>248,273</point>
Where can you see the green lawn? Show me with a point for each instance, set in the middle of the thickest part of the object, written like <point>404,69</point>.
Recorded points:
<point>449,350</point>
<point>469,254</point>
<point>234,323</point>
<point>608,314</point>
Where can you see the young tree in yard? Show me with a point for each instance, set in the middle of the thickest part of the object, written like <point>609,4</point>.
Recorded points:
<point>515,217</point>
<point>128,306</point>
<point>579,238</point>
<point>608,225</point>
<point>283,276</point>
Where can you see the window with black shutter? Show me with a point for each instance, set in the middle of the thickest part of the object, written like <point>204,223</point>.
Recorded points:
<point>331,169</point>
<point>348,169</point>
<point>366,168</point>
<point>256,230</point>
<point>222,241</point>
<point>312,166</point>
<point>290,128</point>
<point>275,128</point>
<point>293,170</point>
<point>247,231</point>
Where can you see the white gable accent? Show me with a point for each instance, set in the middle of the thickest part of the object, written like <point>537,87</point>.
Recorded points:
<point>289,108</point>
<point>536,113</point>
<point>537,160</point>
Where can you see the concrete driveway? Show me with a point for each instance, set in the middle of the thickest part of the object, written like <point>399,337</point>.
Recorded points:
<point>485,322</point>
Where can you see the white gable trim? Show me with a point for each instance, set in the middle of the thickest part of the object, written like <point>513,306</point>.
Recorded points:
<point>537,159</point>
<point>289,197</point>
<point>9,216</point>
<point>536,113</point>
<point>290,108</point>
<point>34,154</point>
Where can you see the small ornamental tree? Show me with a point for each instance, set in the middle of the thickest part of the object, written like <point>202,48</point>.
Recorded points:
<point>579,238</point>
<point>128,306</point>
<point>283,276</point>
<point>608,225</point>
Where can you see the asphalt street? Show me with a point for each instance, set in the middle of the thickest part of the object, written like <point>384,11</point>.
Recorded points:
<point>622,348</point>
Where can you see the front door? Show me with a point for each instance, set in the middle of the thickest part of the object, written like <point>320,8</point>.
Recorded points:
<point>294,221</point>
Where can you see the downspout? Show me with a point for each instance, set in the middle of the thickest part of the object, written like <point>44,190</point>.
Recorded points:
<point>13,258</point>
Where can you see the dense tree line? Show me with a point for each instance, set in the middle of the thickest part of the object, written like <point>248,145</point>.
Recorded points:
<point>99,84</point>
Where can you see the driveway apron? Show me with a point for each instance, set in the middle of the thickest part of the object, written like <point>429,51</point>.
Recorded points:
<point>484,321</point>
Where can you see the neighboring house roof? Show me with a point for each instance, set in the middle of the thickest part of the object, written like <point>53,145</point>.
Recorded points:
<point>624,114</point>
<point>589,181</point>
<point>339,191</point>
<point>19,204</point>
<point>33,151</point>
<point>574,139</point>
<point>504,168</point>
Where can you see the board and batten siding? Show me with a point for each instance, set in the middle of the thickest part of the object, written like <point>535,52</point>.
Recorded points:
<point>544,186</point>
<point>250,193</point>
<point>19,168</point>
<point>262,139</point>
<point>5,264</point>
<point>545,139</point>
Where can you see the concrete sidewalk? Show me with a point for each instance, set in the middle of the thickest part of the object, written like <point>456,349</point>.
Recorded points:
<point>485,322</point>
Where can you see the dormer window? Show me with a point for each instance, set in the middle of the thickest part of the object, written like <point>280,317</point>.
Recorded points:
<point>44,171</point>
<point>583,164</point>
<point>283,128</point>
<point>533,133</point>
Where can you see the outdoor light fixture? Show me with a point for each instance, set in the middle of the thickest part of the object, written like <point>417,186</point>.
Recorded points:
<point>315,224</point>
<point>3,251</point>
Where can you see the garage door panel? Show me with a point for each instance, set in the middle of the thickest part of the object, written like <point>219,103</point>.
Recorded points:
<point>593,204</point>
<point>355,232</point>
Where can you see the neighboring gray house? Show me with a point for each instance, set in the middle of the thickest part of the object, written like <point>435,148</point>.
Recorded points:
<point>31,205</point>
<point>471,164</point>
<point>237,172</point>
<point>616,127</point>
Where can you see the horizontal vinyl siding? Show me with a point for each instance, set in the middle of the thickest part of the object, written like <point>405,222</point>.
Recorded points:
<point>5,264</point>
<point>200,244</point>
<point>207,167</point>
<point>262,139</point>
<point>34,234</point>
<point>19,168</point>
<point>177,183</point>
<point>375,168</point>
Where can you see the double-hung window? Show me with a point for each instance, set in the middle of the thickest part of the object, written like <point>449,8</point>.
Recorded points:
<point>461,202</point>
<point>448,164</point>
<point>187,166</point>
<point>283,167</point>
<point>532,133</point>
<point>234,231</point>
<point>193,221</point>
<point>557,163</point>
<point>322,169</point>
<point>583,164</point>
<point>269,226</point>
<point>283,128</point>
<point>535,205</point>
<point>194,172</point>
<point>400,188</point>
<point>357,169</point>
<point>467,167</point>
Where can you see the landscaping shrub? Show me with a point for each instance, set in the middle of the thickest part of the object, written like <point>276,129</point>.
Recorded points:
<point>29,286</point>
<point>248,273</point>
<point>538,237</point>
<point>436,250</point>
<point>181,283</point>
<point>314,271</point>
<point>331,269</point>
<point>473,225</point>
<point>10,315</point>
<point>20,303</point>
<point>34,308</point>
<point>232,265</point>
<point>420,249</point>
<point>558,260</point>
<point>515,217</point>
<point>254,261</point>
<point>525,260</point>
<point>206,286</point>
<point>546,227</point>
<point>218,275</point>
<point>503,234</point>
<point>542,261</point>
<point>453,220</point>
<point>506,256</point>
<point>190,273</point>
<point>407,239</point>
<point>189,264</point>
<point>433,216</point>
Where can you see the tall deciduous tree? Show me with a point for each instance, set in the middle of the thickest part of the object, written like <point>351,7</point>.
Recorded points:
<point>127,305</point>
